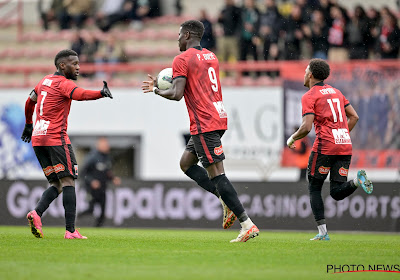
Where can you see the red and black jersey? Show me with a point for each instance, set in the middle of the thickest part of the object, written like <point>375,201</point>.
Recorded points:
<point>203,95</point>
<point>54,95</point>
<point>330,122</point>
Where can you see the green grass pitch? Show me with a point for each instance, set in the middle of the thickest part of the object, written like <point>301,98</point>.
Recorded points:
<point>189,254</point>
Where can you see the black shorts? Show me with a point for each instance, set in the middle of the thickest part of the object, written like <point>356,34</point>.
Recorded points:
<point>337,165</point>
<point>57,162</point>
<point>207,147</point>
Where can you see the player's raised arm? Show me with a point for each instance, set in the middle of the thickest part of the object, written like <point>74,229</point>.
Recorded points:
<point>174,93</point>
<point>29,109</point>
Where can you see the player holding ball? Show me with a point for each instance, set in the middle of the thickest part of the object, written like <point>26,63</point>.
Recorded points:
<point>196,77</point>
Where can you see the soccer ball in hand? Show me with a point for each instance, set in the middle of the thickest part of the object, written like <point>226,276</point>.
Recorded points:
<point>164,79</point>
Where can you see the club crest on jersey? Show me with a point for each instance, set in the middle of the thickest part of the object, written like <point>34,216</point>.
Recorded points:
<point>218,150</point>
<point>324,170</point>
<point>343,171</point>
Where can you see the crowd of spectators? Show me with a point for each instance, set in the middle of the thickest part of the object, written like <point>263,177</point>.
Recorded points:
<point>104,13</point>
<point>301,29</point>
<point>249,29</point>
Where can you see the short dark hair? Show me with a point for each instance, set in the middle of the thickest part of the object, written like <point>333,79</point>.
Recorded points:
<point>319,68</point>
<point>62,54</point>
<point>195,27</point>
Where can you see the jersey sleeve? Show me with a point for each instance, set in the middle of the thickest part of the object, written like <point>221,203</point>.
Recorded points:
<point>68,87</point>
<point>345,101</point>
<point>179,67</point>
<point>307,104</point>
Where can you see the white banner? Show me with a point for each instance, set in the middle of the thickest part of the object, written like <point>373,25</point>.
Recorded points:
<point>252,143</point>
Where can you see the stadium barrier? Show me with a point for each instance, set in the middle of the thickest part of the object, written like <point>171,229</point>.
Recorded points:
<point>287,70</point>
<point>177,204</point>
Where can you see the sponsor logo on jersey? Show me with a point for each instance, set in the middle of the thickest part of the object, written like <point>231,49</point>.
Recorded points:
<point>341,136</point>
<point>218,150</point>
<point>219,106</point>
<point>41,127</point>
<point>56,168</point>
<point>343,171</point>
<point>327,91</point>
<point>323,170</point>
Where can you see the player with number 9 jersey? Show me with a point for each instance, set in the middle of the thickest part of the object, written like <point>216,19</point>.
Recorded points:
<point>196,78</point>
<point>202,93</point>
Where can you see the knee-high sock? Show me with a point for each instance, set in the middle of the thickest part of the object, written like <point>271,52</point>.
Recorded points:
<point>47,197</point>
<point>341,190</point>
<point>317,204</point>
<point>229,195</point>
<point>200,176</point>
<point>69,203</point>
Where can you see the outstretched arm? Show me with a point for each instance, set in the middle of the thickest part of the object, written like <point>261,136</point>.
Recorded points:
<point>174,93</point>
<point>86,94</point>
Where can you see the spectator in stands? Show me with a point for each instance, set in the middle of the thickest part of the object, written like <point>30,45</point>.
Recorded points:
<point>208,40</point>
<point>128,11</point>
<point>337,36</point>
<point>110,51</point>
<point>306,9</point>
<point>89,48</point>
<point>78,11</point>
<point>270,28</point>
<point>58,12</point>
<point>178,8</point>
<point>325,8</point>
<point>139,9</point>
<point>249,31</point>
<point>317,32</point>
<point>285,8</point>
<point>44,8</point>
<point>294,34</point>
<point>77,42</point>
<point>374,20</point>
<point>109,13</point>
<point>358,34</point>
<point>389,38</point>
<point>229,18</point>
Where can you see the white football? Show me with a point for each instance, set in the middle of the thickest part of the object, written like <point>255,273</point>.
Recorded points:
<point>164,79</point>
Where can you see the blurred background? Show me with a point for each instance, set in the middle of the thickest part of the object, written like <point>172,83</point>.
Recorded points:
<point>263,47</point>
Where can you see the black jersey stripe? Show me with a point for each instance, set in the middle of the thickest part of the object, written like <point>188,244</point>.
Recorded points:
<point>70,96</point>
